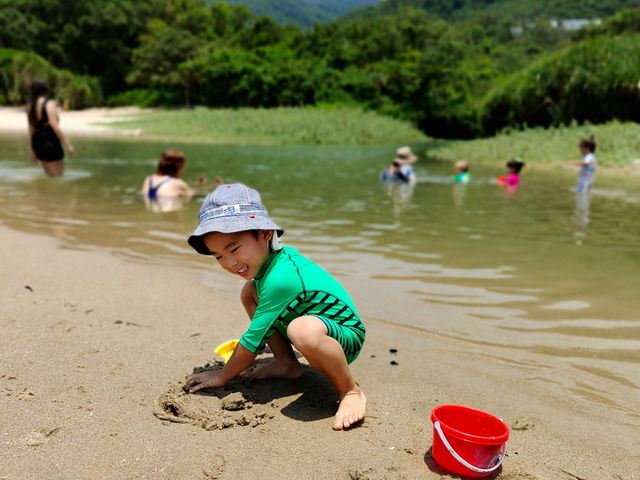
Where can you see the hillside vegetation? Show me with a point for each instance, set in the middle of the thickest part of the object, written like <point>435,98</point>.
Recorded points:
<point>454,69</point>
<point>517,9</point>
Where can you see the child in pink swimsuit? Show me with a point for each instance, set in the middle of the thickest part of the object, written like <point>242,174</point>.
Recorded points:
<point>512,180</point>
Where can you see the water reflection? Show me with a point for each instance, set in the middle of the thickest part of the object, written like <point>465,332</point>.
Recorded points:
<point>459,193</point>
<point>400,194</point>
<point>165,204</point>
<point>583,205</point>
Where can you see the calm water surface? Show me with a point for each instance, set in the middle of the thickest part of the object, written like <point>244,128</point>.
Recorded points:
<point>539,274</point>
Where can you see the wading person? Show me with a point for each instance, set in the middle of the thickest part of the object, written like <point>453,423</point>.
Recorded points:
<point>45,134</point>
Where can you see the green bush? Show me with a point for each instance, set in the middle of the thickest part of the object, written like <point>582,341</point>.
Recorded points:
<point>78,91</point>
<point>18,69</point>
<point>140,97</point>
<point>627,21</point>
<point>23,68</point>
<point>592,81</point>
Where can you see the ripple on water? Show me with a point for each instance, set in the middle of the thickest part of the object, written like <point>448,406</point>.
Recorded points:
<point>12,173</point>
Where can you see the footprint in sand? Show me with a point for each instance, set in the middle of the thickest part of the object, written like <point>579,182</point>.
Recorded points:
<point>524,423</point>
<point>35,439</point>
<point>215,469</point>
<point>360,473</point>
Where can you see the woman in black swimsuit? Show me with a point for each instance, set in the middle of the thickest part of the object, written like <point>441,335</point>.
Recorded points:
<point>44,130</point>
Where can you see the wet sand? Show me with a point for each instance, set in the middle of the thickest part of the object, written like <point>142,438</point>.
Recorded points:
<point>95,348</point>
<point>88,122</point>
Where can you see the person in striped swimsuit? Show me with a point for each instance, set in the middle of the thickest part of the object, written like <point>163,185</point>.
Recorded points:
<point>290,300</point>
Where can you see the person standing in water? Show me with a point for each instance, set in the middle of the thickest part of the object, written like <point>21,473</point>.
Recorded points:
<point>588,165</point>
<point>401,170</point>
<point>46,136</point>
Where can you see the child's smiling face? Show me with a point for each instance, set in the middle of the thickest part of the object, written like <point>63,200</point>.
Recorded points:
<point>242,253</point>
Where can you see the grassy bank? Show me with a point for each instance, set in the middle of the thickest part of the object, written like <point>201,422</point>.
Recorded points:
<point>618,145</point>
<point>278,126</point>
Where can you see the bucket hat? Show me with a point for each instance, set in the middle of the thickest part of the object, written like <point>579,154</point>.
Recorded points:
<point>231,208</point>
<point>404,155</point>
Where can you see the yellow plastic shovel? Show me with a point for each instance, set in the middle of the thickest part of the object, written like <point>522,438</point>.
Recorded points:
<point>225,350</point>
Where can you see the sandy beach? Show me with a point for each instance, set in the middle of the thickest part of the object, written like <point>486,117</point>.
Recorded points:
<point>78,122</point>
<point>95,349</point>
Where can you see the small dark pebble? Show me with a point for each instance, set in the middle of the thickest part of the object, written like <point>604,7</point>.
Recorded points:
<point>118,322</point>
<point>393,362</point>
<point>393,350</point>
<point>373,356</point>
<point>28,288</point>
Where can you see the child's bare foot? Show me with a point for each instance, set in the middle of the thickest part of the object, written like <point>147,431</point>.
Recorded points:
<point>276,369</point>
<point>352,409</point>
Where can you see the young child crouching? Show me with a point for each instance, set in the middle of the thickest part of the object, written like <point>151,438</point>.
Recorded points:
<point>289,299</point>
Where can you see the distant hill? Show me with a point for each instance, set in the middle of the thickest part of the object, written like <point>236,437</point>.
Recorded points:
<point>303,13</point>
<point>522,9</point>
<point>340,7</point>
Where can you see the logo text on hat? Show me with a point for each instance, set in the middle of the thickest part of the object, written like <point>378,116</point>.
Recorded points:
<point>231,209</point>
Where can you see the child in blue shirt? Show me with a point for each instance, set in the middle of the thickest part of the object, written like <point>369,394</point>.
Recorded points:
<point>588,165</point>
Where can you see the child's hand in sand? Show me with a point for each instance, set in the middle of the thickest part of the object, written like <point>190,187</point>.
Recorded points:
<point>201,380</point>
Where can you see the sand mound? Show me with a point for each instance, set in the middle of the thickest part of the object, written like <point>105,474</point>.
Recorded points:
<point>249,403</point>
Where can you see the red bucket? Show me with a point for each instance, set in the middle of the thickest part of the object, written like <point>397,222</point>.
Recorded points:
<point>468,442</point>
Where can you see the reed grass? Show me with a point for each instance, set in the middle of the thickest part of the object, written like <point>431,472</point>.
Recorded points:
<point>277,126</point>
<point>618,145</point>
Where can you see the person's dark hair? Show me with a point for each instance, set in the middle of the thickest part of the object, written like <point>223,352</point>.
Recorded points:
<point>515,164</point>
<point>171,162</point>
<point>588,143</point>
<point>39,88</point>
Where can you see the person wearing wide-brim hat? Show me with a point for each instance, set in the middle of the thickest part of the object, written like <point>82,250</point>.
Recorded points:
<point>400,169</point>
<point>290,300</point>
<point>404,155</point>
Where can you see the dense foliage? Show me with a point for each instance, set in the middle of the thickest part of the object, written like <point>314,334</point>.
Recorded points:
<point>594,81</point>
<point>16,66</point>
<point>455,69</point>
<point>516,9</point>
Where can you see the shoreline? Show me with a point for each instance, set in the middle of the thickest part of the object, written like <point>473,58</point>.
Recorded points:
<point>97,346</point>
<point>13,120</point>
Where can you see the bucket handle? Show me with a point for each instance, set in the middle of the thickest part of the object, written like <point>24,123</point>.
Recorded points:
<point>455,455</point>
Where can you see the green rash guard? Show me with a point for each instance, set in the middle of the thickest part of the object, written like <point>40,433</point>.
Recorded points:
<point>291,286</point>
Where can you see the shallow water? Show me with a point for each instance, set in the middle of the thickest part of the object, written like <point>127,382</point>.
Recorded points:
<point>539,277</point>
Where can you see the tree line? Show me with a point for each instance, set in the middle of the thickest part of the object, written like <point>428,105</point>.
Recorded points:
<point>455,79</point>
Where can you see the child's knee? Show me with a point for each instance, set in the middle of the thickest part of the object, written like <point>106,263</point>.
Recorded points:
<point>306,333</point>
<point>248,295</point>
